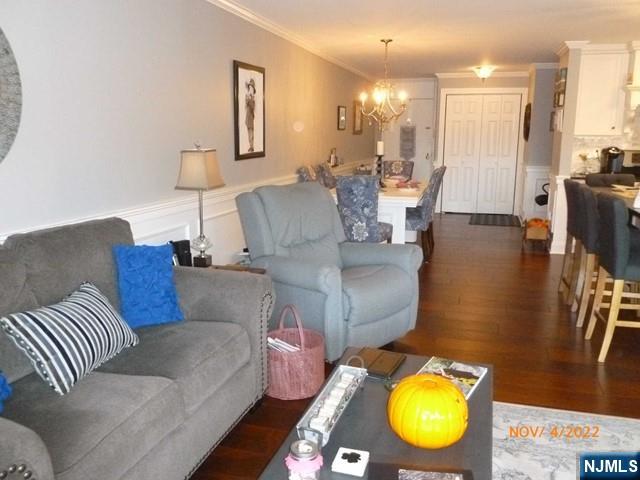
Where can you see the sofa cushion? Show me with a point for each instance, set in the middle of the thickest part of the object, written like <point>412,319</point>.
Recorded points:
<point>199,356</point>
<point>59,259</point>
<point>374,292</point>
<point>15,296</point>
<point>145,284</point>
<point>68,340</point>
<point>105,417</point>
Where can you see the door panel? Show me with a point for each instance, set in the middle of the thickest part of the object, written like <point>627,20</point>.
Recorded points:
<point>489,153</point>
<point>508,158</point>
<point>461,152</point>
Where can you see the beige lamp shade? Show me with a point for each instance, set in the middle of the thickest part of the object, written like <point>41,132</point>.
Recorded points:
<point>199,170</point>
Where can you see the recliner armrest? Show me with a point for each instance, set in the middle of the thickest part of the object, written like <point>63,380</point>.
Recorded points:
<point>21,446</point>
<point>300,273</point>
<point>407,257</point>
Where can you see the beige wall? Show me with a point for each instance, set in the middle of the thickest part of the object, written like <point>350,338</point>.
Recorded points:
<point>113,90</point>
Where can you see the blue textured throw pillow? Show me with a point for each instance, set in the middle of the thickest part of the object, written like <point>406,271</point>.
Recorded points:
<point>145,282</point>
<point>5,390</point>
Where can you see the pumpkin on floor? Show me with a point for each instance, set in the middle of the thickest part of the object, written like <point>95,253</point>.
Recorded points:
<point>428,411</point>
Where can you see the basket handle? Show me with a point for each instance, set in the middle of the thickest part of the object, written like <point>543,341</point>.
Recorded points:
<point>296,316</point>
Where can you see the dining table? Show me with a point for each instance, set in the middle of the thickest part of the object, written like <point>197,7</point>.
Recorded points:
<point>628,195</point>
<point>392,208</point>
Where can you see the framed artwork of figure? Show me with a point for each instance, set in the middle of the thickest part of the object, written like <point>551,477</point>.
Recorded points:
<point>248,109</point>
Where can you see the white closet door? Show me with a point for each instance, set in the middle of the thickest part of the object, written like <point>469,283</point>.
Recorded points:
<point>463,121</point>
<point>498,153</point>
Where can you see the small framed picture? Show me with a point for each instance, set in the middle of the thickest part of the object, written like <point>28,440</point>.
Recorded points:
<point>249,114</point>
<point>357,118</point>
<point>342,117</point>
<point>560,99</point>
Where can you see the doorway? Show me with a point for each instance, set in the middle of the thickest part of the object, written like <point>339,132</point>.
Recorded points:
<point>480,149</point>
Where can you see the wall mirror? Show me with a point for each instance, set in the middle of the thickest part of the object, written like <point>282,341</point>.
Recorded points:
<point>10,97</point>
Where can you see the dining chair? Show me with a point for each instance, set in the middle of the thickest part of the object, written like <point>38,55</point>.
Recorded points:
<point>358,208</point>
<point>619,257</point>
<point>397,168</point>
<point>420,218</point>
<point>307,173</point>
<point>325,176</point>
<point>608,179</point>
<point>570,279</point>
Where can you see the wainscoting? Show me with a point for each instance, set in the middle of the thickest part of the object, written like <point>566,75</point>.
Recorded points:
<point>157,223</point>
<point>534,178</point>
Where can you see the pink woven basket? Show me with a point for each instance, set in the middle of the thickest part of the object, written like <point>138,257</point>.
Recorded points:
<point>295,375</point>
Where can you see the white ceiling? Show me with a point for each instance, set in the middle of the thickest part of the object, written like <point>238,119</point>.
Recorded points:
<point>435,36</point>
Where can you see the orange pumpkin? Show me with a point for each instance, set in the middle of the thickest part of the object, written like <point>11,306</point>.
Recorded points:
<point>428,411</point>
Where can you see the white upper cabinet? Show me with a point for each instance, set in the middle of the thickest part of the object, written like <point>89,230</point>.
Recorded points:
<point>601,96</point>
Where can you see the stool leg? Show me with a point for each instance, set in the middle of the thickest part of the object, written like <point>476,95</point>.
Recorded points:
<point>597,300</point>
<point>586,288</point>
<point>575,272</point>
<point>616,298</point>
<point>582,275</point>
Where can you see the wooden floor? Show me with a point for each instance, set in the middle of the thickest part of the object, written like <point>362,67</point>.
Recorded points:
<point>481,299</point>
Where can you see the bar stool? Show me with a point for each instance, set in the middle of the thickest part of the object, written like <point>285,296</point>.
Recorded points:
<point>619,257</point>
<point>608,179</point>
<point>569,278</point>
<point>590,225</point>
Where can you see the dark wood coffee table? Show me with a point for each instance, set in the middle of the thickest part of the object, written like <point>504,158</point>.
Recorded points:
<point>364,426</point>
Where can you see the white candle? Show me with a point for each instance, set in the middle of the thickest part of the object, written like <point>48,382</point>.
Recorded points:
<point>380,148</point>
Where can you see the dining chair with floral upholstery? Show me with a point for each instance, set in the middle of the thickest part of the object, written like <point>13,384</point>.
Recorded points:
<point>307,173</point>
<point>397,168</point>
<point>358,208</point>
<point>420,218</point>
<point>325,176</point>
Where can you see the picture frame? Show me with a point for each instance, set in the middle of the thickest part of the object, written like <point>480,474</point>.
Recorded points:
<point>249,110</point>
<point>342,117</point>
<point>357,118</point>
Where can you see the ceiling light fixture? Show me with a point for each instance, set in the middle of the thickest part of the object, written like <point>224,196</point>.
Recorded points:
<point>383,93</point>
<point>484,71</point>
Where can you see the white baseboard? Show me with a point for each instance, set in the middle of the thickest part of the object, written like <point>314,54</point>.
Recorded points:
<point>176,219</point>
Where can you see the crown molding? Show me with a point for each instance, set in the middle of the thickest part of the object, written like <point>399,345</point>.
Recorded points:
<point>473,75</point>
<point>272,27</point>
<point>571,44</point>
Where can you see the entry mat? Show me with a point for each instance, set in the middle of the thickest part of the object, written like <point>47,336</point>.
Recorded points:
<point>494,220</point>
<point>535,443</point>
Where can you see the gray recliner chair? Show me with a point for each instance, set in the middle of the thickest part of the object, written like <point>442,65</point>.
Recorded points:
<point>356,294</point>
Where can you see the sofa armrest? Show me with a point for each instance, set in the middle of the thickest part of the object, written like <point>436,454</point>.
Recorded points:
<point>407,257</point>
<point>21,446</point>
<point>300,273</point>
<point>225,296</point>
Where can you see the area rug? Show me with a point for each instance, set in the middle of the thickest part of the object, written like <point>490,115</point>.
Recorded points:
<point>494,220</point>
<point>542,453</point>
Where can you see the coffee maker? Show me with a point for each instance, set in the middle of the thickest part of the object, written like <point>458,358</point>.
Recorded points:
<point>612,158</point>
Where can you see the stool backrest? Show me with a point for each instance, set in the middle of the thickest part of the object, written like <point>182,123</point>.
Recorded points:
<point>613,235</point>
<point>590,218</point>
<point>574,203</point>
<point>608,179</point>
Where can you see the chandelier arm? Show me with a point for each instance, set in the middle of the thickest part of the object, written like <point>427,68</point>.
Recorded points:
<point>371,112</point>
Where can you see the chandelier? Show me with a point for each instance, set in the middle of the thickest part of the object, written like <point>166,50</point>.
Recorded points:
<point>383,93</point>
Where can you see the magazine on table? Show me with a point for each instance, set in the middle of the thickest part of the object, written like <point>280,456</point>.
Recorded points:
<point>466,377</point>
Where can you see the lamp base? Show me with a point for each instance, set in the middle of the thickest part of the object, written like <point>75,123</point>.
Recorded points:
<point>202,261</point>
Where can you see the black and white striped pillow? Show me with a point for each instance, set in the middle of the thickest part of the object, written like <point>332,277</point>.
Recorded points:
<point>68,340</point>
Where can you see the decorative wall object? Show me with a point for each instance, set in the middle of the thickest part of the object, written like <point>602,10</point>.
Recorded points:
<point>526,126</point>
<point>357,118</point>
<point>249,111</point>
<point>342,117</point>
<point>407,142</point>
<point>10,97</point>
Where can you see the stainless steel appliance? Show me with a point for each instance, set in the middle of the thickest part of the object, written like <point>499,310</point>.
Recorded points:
<point>631,158</point>
<point>612,158</point>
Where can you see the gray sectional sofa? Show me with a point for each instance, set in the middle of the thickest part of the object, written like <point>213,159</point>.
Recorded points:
<point>155,410</point>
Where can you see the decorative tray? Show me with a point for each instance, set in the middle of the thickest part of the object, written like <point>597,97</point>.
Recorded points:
<point>323,414</point>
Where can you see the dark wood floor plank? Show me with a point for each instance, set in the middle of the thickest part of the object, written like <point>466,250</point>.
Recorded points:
<point>482,299</point>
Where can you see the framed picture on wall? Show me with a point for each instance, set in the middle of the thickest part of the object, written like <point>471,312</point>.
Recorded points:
<point>357,118</point>
<point>342,117</point>
<point>248,108</point>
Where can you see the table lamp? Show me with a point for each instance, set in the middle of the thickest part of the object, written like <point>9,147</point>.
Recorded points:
<point>199,170</point>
